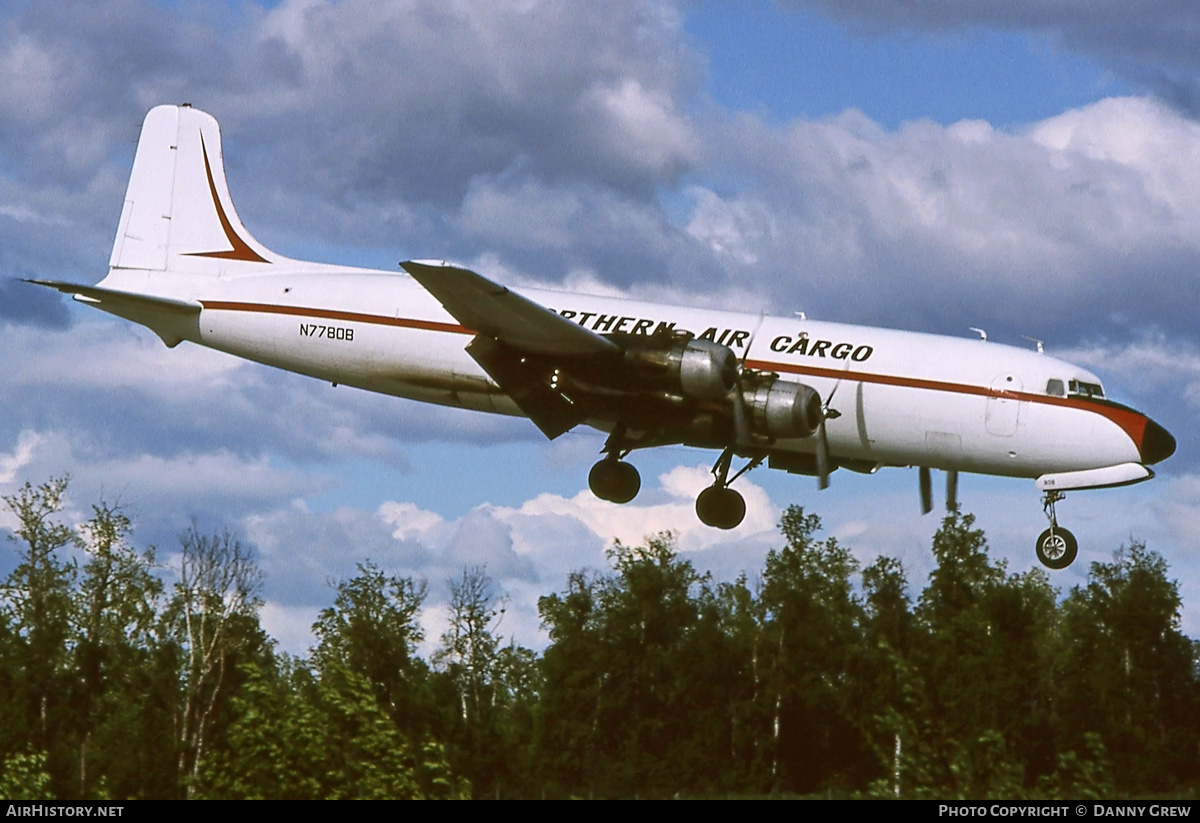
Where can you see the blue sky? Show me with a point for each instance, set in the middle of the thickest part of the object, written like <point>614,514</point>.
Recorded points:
<point>807,64</point>
<point>1029,168</point>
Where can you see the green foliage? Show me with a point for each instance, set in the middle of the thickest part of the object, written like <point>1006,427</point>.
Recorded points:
<point>489,728</point>
<point>23,776</point>
<point>37,612</point>
<point>299,737</point>
<point>812,622</point>
<point>1082,777</point>
<point>1130,670</point>
<point>812,678</point>
<point>373,629</point>
<point>213,620</point>
<point>635,699</point>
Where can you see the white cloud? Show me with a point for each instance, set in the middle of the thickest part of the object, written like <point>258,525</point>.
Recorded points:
<point>1152,363</point>
<point>21,455</point>
<point>556,142</point>
<point>290,626</point>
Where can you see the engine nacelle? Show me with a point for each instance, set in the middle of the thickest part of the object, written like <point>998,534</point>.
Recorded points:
<point>783,409</point>
<point>698,369</point>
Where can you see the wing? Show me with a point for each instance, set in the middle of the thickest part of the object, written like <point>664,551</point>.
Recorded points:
<point>497,312</point>
<point>658,387</point>
<point>517,342</point>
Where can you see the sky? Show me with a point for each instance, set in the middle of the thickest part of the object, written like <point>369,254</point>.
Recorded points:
<point>1030,168</point>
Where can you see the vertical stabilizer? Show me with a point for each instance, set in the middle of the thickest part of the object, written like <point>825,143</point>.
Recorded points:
<point>178,215</point>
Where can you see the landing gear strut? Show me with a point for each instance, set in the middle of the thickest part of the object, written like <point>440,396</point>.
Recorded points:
<point>720,506</point>
<point>1056,547</point>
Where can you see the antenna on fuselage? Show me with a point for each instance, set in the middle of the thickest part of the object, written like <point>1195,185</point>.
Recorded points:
<point>982,334</point>
<point>1036,342</point>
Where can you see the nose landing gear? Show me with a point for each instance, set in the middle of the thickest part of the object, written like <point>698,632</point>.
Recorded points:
<point>1056,547</point>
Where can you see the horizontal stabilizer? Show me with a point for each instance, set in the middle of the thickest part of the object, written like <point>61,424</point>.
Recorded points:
<point>1123,474</point>
<point>111,297</point>
<point>167,317</point>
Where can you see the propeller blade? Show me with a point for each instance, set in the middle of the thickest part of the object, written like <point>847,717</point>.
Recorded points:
<point>926,490</point>
<point>741,426</point>
<point>822,456</point>
<point>750,343</point>
<point>951,490</point>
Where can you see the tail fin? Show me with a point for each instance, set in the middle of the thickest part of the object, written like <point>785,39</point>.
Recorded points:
<point>178,215</point>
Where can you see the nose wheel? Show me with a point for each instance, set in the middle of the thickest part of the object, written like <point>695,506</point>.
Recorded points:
<point>1056,547</point>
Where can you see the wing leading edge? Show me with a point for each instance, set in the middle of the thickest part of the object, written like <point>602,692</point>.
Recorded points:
<point>495,311</point>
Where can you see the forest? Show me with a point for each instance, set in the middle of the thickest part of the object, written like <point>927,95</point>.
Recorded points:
<point>813,677</point>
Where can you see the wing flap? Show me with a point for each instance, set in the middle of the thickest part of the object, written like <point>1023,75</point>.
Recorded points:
<point>527,385</point>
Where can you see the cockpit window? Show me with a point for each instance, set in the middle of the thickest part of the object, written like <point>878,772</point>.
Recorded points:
<point>1078,388</point>
<point>1054,387</point>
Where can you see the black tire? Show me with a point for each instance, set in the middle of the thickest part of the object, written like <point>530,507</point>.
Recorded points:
<point>615,481</point>
<point>628,482</point>
<point>1057,548</point>
<point>720,508</point>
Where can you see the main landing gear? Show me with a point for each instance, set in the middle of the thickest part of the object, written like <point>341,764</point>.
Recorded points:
<point>720,506</point>
<point>1056,547</point>
<point>614,480</point>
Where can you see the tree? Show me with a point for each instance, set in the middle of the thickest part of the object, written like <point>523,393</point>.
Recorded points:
<point>36,612</point>
<point>118,603</point>
<point>470,656</point>
<point>1129,671</point>
<point>215,616</point>
<point>889,692</point>
<point>812,625</point>
<point>573,670</point>
<point>636,695</point>
<point>988,658</point>
<point>469,646</point>
<point>372,629</point>
<point>296,736</point>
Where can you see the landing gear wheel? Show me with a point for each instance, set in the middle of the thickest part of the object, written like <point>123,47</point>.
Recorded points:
<point>721,508</point>
<point>1057,547</point>
<point>614,480</point>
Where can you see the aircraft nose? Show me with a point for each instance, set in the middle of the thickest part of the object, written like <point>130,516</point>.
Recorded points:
<point>1157,443</point>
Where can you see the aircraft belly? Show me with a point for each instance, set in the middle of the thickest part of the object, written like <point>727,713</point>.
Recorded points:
<point>409,363</point>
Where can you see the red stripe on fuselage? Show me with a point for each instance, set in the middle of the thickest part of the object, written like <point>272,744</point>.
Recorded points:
<point>1132,422</point>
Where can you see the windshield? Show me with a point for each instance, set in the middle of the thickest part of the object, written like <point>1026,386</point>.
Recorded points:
<point>1078,388</point>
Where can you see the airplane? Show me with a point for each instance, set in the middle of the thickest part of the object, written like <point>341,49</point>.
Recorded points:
<point>803,396</point>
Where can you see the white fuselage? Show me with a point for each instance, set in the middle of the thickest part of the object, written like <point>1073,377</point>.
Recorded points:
<point>902,398</point>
